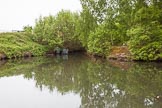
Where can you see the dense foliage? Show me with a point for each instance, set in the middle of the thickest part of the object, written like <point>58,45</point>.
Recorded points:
<point>56,30</point>
<point>146,34</point>
<point>99,42</point>
<point>135,23</point>
<point>102,24</point>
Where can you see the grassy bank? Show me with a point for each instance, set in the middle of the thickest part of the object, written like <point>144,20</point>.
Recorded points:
<point>14,45</point>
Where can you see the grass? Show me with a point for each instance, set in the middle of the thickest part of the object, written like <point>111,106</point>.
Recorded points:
<point>18,44</point>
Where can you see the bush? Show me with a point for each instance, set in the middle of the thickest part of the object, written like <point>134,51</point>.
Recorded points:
<point>99,42</point>
<point>146,41</point>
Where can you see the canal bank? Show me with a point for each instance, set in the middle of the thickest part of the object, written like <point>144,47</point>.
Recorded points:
<point>18,45</point>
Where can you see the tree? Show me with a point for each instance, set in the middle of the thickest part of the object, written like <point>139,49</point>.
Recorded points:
<point>45,32</point>
<point>146,33</point>
<point>56,30</point>
<point>98,42</point>
<point>28,29</point>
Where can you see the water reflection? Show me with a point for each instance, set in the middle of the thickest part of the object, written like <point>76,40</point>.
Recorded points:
<point>100,84</point>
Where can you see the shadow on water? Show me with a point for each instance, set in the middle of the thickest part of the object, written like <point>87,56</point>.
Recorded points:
<point>100,84</point>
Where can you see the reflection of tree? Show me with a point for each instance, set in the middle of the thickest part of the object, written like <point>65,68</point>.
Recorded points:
<point>100,85</point>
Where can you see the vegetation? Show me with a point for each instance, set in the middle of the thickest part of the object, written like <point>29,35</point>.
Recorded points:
<point>15,45</point>
<point>146,34</point>
<point>135,23</point>
<point>98,42</point>
<point>57,30</point>
<point>102,24</point>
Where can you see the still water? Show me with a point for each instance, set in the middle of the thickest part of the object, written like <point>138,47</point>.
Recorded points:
<point>76,81</point>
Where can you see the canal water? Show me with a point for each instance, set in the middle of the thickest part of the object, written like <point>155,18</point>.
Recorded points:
<point>76,81</point>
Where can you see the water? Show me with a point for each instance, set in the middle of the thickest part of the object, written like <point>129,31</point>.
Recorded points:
<point>77,81</point>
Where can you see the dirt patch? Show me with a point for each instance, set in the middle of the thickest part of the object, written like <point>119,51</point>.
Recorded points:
<point>27,54</point>
<point>2,56</point>
<point>120,53</point>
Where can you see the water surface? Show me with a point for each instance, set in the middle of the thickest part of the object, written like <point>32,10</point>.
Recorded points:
<point>76,81</point>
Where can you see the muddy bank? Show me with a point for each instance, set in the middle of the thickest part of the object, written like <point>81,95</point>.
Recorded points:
<point>2,56</point>
<point>117,53</point>
<point>120,53</point>
<point>25,54</point>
